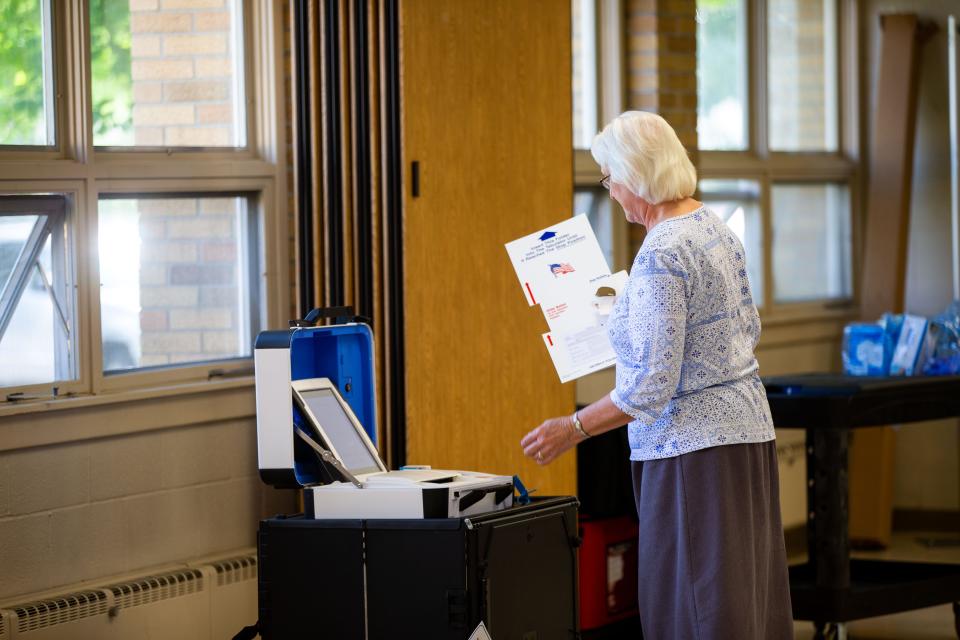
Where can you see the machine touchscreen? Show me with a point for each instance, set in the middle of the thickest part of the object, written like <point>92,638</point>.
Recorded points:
<point>324,409</point>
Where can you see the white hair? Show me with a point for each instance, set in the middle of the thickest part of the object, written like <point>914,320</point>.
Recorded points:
<point>641,151</point>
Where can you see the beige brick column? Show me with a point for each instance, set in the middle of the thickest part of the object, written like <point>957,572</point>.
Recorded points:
<point>662,62</point>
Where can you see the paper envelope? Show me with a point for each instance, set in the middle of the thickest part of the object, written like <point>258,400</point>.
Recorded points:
<point>546,261</point>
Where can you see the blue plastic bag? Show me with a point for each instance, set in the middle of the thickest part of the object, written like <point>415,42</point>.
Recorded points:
<point>864,352</point>
<point>945,359</point>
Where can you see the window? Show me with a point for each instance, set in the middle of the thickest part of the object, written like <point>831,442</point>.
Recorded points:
<point>585,85</point>
<point>737,203</point>
<point>122,267</point>
<point>168,74</point>
<point>600,210</point>
<point>180,284</point>
<point>774,161</point>
<point>811,242</point>
<point>37,336</point>
<point>722,74</point>
<point>802,75</point>
<point>26,56</point>
<point>597,98</point>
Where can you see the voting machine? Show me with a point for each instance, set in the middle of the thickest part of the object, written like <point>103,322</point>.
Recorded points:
<point>316,429</point>
<point>418,552</point>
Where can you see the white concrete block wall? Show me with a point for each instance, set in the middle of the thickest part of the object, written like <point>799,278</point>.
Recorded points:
<point>87,511</point>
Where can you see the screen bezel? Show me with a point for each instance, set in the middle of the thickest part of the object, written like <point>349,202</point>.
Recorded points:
<point>317,384</point>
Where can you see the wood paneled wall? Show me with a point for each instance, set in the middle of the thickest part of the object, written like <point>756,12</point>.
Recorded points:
<point>486,115</point>
<point>482,101</point>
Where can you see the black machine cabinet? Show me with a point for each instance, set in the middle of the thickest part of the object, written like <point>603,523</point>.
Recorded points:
<point>831,588</point>
<point>515,570</point>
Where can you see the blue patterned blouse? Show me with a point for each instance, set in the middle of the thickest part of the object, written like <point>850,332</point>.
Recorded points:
<point>684,331</point>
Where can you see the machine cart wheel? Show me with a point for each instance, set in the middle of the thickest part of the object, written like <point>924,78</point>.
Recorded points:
<point>830,631</point>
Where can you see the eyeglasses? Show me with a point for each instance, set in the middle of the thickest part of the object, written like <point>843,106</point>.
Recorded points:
<point>605,182</point>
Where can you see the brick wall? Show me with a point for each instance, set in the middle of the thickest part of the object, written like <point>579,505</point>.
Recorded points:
<point>184,80</point>
<point>662,62</point>
<point>190,280</point>
<point>185,93</point>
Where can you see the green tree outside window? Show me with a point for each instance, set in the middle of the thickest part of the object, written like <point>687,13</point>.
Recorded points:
<point>23,117</point>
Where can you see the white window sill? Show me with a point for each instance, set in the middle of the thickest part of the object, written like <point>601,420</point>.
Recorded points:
<point>31,423</point>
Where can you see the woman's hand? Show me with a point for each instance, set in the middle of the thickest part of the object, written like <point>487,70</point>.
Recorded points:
<point>550,439</point>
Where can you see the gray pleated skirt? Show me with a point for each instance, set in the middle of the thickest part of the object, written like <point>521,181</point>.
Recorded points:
<point>711,555</point>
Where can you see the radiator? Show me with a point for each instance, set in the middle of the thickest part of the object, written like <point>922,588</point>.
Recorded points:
<point>203,602</point>
<point>4,626</point>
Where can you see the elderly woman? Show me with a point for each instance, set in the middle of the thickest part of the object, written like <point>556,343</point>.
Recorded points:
<point>711,555</point>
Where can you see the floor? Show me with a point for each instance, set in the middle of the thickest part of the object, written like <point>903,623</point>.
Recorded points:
<point>935,623</point>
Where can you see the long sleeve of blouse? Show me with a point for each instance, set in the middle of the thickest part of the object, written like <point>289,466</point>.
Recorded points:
<point>651,336</point>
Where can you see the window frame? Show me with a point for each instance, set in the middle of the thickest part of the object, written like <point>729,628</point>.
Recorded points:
<point>81,172</point>
<point>57,230</point>
<point>760,164</point>
<point>72,193</point>
<point>611,80</point>
<point>259,192</point>
<point>121,154</point>
<point>57,17</point>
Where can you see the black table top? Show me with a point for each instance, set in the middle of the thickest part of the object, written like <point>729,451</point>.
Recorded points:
<point>828,401</point>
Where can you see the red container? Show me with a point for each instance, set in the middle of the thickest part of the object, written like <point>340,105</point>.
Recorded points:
<point>608,571</point>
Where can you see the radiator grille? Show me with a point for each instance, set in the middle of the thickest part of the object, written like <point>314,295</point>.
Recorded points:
<point>156,588</point>
<point>73,606</point>
<point>236,570</point>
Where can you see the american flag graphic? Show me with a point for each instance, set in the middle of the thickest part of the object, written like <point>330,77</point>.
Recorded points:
<point>560,269</point>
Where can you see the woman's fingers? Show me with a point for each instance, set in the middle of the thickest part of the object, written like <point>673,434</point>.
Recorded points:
<point>530,437</point>
<point>533,447</point>
<point>533,444</point>
<point>538,444</point>
<point>546,442</point>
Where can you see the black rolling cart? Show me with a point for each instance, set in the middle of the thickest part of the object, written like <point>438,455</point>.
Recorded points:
<point>831,589</point>
<point>514,569</point>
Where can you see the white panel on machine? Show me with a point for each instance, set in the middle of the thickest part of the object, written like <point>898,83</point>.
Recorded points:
<point>274,441</point>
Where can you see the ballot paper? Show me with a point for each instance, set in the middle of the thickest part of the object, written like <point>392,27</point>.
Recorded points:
<point>562,268</point>
<point>578,353</point>
<point>578,342</point>
<point>583,304</point>
<point>547,261</point>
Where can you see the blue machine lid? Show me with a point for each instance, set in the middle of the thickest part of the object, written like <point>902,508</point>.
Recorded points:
<point>344,354</point>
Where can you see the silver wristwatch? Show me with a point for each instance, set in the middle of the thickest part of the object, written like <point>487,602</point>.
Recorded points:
<point>578,426</point>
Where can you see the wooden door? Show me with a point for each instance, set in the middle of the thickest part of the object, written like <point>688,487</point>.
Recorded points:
<point>486,115</point>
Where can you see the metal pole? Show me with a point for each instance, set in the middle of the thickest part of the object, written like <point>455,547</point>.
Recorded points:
<point>954,142</point>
